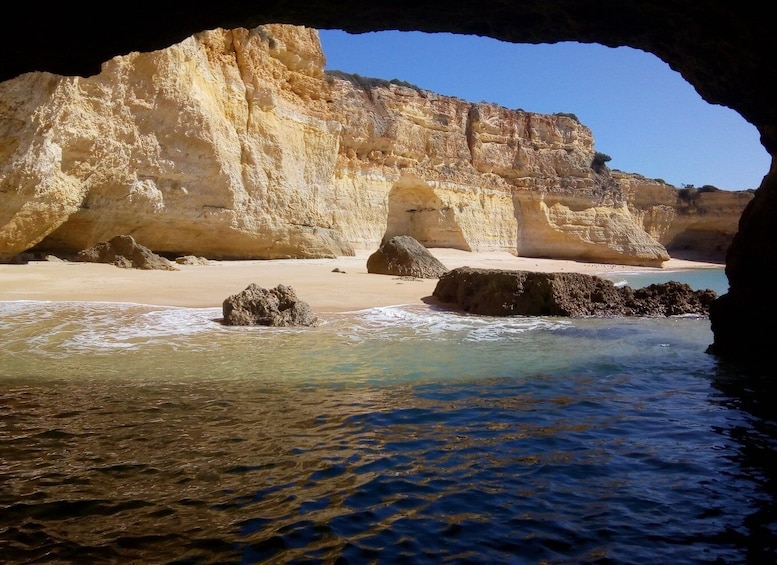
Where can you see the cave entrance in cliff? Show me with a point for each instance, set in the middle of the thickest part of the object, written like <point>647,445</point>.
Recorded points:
<point>415,210</point>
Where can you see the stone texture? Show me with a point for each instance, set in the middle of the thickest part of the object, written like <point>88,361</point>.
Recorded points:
<point>403,256</point>
<point>219,146</point>
<point>257,306</point>
<point>123,251</point>
<point>692,223</point>
<point>495,292</point>
<point>236,144</point>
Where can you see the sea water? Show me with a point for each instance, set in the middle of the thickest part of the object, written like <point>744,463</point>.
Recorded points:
<point>406,434</point>
<point>714,279</point>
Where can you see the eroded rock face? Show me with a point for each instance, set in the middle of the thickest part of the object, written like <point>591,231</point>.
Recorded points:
<point>495,292</point>
<point>219,146</point>
<point>741,318</point>
<point>236,144</point>
<point>257,306</point>
<point>692,223</point>
<point>403,256</point>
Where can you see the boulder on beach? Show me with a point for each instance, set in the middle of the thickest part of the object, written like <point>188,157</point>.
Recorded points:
<point>497,292</point>
<point>192,260</point>
<point>257,306</point>
<point>404,256</point>
<point>123,251</point>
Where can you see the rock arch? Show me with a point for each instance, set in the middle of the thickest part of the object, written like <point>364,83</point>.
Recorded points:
<point>725,50</point>
<point>415,210</point>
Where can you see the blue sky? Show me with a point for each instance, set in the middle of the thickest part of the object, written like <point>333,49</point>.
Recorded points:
<point>643,114</point>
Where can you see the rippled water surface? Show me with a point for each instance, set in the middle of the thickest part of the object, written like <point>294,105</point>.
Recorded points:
<point>395,435</point>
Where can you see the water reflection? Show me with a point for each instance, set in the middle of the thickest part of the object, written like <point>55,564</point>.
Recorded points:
<point>750,397</point>
<point>437,438</point>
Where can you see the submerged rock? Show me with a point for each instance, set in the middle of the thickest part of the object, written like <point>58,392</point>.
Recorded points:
<point>496,292</point>
<point>404,256</point>
<point>123,251</point>
<point>257,306</point>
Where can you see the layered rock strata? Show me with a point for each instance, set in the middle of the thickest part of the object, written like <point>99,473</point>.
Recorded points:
<point>237,144</point>
<point>692,223</point>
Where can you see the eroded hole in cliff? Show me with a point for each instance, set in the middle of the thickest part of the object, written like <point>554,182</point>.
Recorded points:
<point>415,210</point>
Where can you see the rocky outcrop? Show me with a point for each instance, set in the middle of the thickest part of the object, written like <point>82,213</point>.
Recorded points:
<point>236,144</point>
<point>257,306</point>
<point>692,223</point>
<point>220,146</point>
<point>403,256</point>
<point>494,292</point>
<point>123,251</point>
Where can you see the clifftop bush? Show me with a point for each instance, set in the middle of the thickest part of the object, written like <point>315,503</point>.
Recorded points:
<point>599,160</point>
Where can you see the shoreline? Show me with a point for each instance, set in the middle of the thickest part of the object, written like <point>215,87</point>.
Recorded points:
<point>339,284</point>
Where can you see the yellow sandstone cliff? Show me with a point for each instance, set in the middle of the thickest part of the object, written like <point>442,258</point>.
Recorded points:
<point>237,144</point>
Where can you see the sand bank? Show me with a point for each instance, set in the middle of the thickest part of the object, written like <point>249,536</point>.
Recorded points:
<point>328,285</point>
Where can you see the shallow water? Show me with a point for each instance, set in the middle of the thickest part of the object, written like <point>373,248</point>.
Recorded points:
<point>714,279</point>
<point>403,434</point>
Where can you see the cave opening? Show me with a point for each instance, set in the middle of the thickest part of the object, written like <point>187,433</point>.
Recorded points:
<point>415,210</point>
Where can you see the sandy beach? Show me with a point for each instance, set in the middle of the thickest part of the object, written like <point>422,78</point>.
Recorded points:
<point>327,285</point>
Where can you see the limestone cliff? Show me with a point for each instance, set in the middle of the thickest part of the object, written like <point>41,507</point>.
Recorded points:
<point>692,223</point>
<point>236,144</point>
<point>219,146</point>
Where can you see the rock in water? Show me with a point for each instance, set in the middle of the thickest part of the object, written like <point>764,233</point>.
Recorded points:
<point>497,292</point>
<point>257,306</point>
<point>403,256</point>
<point>123,251</point>
<point>671,298</point>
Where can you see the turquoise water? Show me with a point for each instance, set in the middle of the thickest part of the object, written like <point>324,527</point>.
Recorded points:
<point>714,279</point>
<point>393,435</point>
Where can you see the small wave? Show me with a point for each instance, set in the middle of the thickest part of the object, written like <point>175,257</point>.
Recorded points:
<point>419,322</point>
<point>129,327</point>
<point>90,326</point>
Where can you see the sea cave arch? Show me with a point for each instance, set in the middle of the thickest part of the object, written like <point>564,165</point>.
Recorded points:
<point>414,209</point>
<point>726,51</point>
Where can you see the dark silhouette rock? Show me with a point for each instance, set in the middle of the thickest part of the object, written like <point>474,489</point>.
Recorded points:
<point>257,306</point>
<point>671,298</point>
<point>403,256</point>
<point>496,292</point>
<point>123,251</point>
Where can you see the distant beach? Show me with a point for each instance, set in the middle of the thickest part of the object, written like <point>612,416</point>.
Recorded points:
<point>327,285</point>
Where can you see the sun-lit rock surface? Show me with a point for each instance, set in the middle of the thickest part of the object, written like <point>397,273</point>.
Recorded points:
<point>218,146</point>
<point>237,144</point>
<point>691,222</point>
